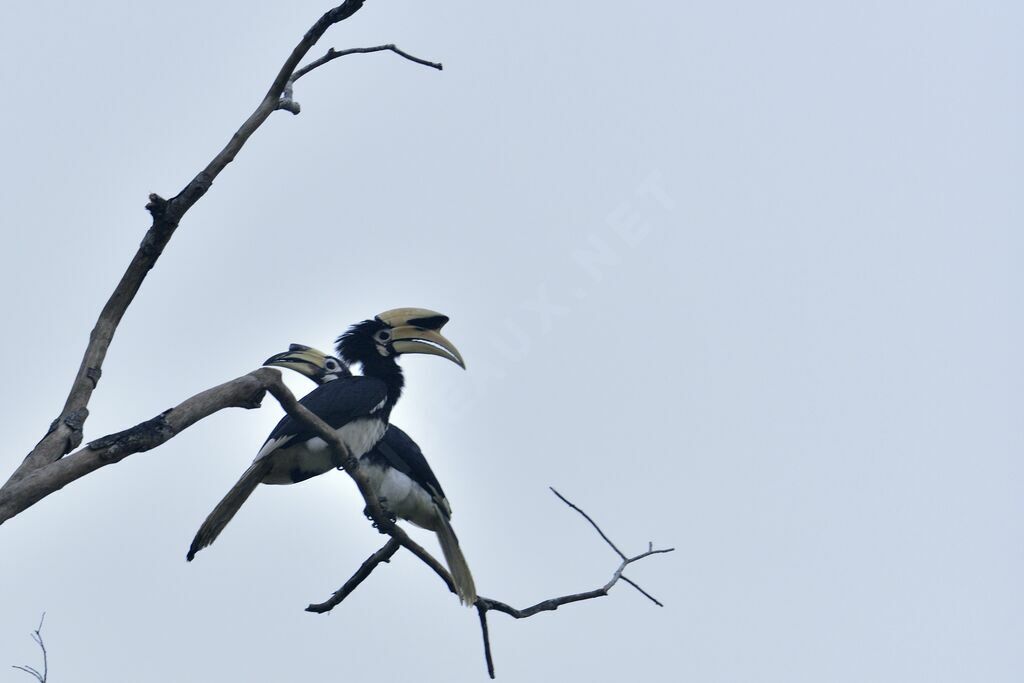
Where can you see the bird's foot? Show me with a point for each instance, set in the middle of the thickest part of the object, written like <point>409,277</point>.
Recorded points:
<point>392,517</point>
<point>388,514</point>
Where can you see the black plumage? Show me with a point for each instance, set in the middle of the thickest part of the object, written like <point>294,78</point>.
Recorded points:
<point>337,403</point>
<point>397,449</point>
<point>359,344</point>
<point>396,468</point>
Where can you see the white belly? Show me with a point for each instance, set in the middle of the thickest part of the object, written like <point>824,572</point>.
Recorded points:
<point>310,458</point>
<point>403,497</point>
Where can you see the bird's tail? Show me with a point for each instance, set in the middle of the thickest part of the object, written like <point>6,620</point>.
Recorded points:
<point>226,508</point>
<point>456,561</point>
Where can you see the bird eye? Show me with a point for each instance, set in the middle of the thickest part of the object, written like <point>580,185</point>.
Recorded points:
<point>383,336</point>
<point>331,365</point>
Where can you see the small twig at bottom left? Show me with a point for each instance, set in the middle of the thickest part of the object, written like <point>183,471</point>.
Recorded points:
<point>37,636</point>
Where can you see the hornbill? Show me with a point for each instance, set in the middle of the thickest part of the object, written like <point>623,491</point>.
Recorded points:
<point>400,475</point>
<point>358,408</point>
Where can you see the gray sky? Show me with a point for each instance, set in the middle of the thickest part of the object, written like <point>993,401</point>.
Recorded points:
<point>738,278</point>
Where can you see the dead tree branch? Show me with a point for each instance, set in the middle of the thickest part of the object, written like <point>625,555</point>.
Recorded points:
<point>365,569</point>
<point>66,432</point>
<point>333,54</point>
<point>288,104</point>
<point>485,605</point>
<point>246,391</point>
<point>37,636</point>
<point>243,392</point>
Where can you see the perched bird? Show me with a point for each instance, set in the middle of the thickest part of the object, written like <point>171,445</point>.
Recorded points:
<point>357,408</point>
<point>398,472</point>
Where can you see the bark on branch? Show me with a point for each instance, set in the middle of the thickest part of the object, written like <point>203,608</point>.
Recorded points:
<point>246,391</point>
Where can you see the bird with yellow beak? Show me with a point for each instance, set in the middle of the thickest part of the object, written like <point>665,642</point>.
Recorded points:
<point>357,408</point>
<point>400,475</point>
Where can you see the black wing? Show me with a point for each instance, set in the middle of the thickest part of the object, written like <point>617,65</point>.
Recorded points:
<point>337,403</point>
<point>398,450</point>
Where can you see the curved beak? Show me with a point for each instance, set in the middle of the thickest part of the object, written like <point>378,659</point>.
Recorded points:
<point>424,318</point>
<point>413,339</point>
<point>417,330</point>
<point>302,359</point>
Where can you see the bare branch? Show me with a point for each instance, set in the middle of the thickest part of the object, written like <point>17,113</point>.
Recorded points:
<point>365,569</point>
<point>333,54</point>
<point>486,633</point>
<point>587,517</point>
<point>642,591</point>
<point>484,605</point>
<point>246,391</point>
<point>29,670</point>
<point>288,104</point>
<point>37,636</point>
<point>65,433</point>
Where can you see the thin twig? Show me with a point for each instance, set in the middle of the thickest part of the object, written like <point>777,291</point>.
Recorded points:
<point>287,102</point>
<point>592,522</point>
<point>37,636</point>
<point>482,612</point>
<point>382,555</point>
<point>642,591</point>
<point>333,54</point>
<point>483,605</point>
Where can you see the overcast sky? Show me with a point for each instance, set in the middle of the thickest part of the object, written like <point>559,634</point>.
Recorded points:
<point>739,278</point>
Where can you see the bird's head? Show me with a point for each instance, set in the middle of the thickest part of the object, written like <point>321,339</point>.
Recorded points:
<point>312,363</point>
<point>396,332</point>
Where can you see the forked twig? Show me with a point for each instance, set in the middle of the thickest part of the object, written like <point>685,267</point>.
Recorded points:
<point>37,636</point>
<point>289,104</point>
<point>484,605</point>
